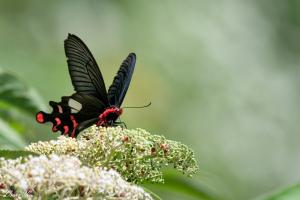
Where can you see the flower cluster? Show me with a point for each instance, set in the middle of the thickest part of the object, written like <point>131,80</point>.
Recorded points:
<point>136,154</point>
<point>63,177</point>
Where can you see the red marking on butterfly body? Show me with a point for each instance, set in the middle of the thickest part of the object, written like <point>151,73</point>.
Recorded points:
<point>110,114</point>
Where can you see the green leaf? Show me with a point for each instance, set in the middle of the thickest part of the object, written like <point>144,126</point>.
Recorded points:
<point>17,104</point>
<point>9,138</point>
<point>6,198</point>
<point>290,193</point>
<point>13,92</point>
<point>153,195</point>
<point>10,154</point>
<point>179,184</point>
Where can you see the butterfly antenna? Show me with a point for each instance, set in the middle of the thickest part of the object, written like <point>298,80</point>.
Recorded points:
<point>149,104</point>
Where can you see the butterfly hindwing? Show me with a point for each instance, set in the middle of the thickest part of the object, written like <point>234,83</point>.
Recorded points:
<point>83,69</point>
<point>119,87</point>
<point>73,114</point>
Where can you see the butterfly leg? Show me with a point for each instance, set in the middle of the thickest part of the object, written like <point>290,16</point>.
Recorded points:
<point>122,124</point>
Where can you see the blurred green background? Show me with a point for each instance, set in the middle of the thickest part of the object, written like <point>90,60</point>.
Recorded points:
<point>222,76</point>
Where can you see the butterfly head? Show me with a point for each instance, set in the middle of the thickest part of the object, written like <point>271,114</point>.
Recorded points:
<point>110,115</point>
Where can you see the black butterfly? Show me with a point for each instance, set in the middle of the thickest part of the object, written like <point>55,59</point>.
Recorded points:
<point>91,104</point>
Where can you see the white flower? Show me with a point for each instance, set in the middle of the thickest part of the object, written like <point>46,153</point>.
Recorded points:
<point>81,175</point>
<point>65,178</point>
<point>23,184</point>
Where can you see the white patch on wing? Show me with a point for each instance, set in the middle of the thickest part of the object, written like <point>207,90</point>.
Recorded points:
<point>60,110</point>
<point>74,105</point>
<point>74,111</point>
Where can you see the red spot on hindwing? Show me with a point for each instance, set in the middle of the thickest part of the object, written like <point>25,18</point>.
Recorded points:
<point>66,129</point>
<point>75,124</point>
<point>40,117</point>
<point>58,122</point>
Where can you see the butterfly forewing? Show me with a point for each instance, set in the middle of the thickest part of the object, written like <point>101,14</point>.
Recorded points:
<point>84,71</point>
<point>119,87</point>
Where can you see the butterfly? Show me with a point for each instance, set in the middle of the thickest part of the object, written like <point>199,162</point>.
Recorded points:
<point>91,103</point>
